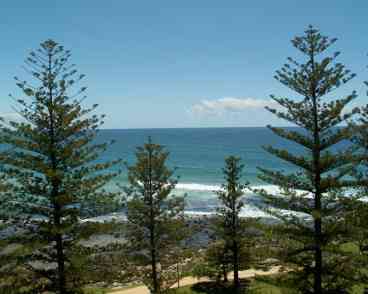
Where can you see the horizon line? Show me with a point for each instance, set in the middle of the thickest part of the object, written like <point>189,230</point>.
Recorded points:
<point>182,128</point>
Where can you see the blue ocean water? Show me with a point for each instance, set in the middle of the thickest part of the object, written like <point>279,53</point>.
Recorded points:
<point>198,156</point>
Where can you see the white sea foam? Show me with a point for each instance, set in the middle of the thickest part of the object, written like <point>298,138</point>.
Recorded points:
<point>197,187</point>
<point>116,216</point>
<point>204,203</point>
<point>247,211</point>
<point>251,211</point>
<point>212,188</point>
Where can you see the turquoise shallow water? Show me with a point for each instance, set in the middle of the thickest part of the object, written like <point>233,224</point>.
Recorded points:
<point>198,155</point>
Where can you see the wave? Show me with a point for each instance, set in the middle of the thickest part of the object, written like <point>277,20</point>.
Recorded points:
<point>197,187</point>
<point>213,187</point>
<point>246,211</point>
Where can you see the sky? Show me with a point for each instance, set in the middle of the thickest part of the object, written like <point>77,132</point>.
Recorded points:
<point>166,63</point>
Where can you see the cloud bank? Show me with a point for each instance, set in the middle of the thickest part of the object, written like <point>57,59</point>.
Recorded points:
<point>229,105</point>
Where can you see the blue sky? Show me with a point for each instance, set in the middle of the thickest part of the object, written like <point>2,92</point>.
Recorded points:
<point>186,63</point>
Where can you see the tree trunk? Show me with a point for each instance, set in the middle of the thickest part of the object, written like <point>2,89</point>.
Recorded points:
<point>224,272</point>
<point>178,273</point>
<point>60,262</point>
<point>317,287</point>
<point>318,239</point>
<point>236,266</point>
<point>154,271</point>
<point>156,286</point>
<point>318,259</point>
<point>60,258</point>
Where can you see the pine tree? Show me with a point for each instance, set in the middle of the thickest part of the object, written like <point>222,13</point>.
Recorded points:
<point>313,191</point>
<point>155,217</point>
<point>229,224</point>
<point>357,217</point>
<point>54,167</point>
<point>218,261</point>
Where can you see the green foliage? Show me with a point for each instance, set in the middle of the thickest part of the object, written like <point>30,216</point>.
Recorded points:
<point>155,217</point>
<point>94,291</point>
<point>218,259</point>
<point>314,192</point>
<point>357,218</point>
<point>52,172</point>
<point>270,285</point>
<point>203,269</point>
<point>229,226</point>
<point>228,222</point>
<point>254,286</point>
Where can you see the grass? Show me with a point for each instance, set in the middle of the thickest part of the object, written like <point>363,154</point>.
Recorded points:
<point>93,290</point>
<point>252,287</point>
<point>257,287</point>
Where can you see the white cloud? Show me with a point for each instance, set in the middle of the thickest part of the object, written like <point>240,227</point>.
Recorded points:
<point>11,116</point>
<point>229,105</point>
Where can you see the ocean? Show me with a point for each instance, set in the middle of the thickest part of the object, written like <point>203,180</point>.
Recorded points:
<point>198,156</point>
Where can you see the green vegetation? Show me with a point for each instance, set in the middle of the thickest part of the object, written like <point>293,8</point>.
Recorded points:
<point>52,178</point>
<point>228,223</point>
<point>91,290</point>
<point>215,264</point>
<point>357,219</point>
<point>255,287</point>
<point>314,191</point>
<point>155,222</point>
<point>251,287</point>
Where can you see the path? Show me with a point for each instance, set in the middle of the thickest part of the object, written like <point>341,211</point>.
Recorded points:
<point>187,281</point>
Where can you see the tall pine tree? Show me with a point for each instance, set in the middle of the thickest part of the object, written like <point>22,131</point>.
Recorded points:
<point>229,223</point>
<point>357,218</point>
<point>155,217</point>
<point>313,191</point>
<point>53,162</point>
